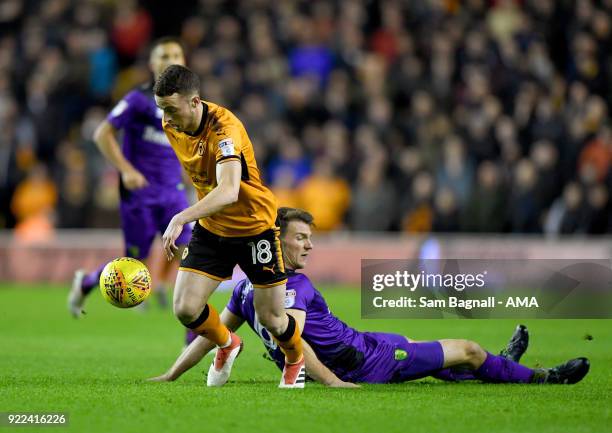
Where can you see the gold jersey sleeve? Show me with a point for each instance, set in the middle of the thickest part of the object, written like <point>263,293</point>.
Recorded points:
<point>223,138</point>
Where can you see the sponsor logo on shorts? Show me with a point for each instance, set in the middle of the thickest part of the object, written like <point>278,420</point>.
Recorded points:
<point>185,253</point>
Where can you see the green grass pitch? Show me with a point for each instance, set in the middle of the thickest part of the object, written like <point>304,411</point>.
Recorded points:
<point>94,369</point>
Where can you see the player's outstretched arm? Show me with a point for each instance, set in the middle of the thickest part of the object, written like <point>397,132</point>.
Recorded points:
<point>319,372</point>
<point>314,367</point>
<point>197,350</point>
<point>223,195</point>
<point>105,138</point>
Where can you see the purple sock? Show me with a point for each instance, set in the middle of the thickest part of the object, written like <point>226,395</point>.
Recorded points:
<point>499,369</point>
<point>91,280</point>
<point>454,375</point>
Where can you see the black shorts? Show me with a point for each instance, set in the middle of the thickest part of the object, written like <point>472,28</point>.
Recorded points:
<point>260,256</point>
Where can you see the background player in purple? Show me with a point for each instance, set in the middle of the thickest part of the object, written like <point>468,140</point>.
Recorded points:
<point>151,186</point>
<point>337,354</point>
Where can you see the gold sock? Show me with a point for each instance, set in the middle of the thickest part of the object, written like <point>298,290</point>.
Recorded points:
<point>290,342</point>
<point>209,325</point>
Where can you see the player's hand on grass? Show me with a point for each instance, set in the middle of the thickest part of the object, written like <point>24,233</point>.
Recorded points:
<point>341,384</point>
<point>163,378</point>
<point>170,236</point>
<point>133,179</point>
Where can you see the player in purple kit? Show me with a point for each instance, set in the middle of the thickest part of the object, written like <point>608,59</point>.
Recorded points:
<point>151,186</point>
<point>336,354</point>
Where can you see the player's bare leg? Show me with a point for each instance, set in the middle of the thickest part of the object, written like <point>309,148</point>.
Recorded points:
<point>191,293</point>
<point>191,307</point>
<point>166,271</point>
<point>269,306</point>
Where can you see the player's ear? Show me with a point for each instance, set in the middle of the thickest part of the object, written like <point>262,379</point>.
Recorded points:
<point>195,101</point>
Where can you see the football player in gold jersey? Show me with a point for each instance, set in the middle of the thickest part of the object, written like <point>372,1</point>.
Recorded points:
<point>235,224</point>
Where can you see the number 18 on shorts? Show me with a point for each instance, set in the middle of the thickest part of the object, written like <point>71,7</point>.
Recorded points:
<point>259,256</point>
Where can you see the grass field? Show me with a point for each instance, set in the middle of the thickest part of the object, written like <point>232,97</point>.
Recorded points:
<point>94,369</point>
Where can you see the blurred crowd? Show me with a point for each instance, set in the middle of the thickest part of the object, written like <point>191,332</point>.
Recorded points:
<point>390,115</point>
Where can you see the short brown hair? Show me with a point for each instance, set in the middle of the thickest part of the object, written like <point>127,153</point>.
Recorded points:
<point>177,79</point>
<point>287,214</point>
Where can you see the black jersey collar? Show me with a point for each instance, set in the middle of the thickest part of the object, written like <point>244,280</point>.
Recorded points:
<point>202,121</point>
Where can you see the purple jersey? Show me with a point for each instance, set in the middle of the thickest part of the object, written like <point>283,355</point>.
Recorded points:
<point>145,145</point>
<point>352,355</point>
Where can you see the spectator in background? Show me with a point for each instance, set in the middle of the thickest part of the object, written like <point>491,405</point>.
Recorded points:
<point>455,172</point>
<point>17,155</point>
<point>74,188</point>
<point>597,217</point>
<point>547,124</point>
<point>311,56</point>
<point>485,209</point>
<point>290,158</point>
<point>446,211</point>
<point>325,196</point>
<point>405,167</point>
<point>524,207</point>
<point>283,188</point>
<point>597,153</point>
<point>33,205</point>
<point>372,200</point>
<point>565,215</point>
<point>544,155</point>
<point>131,30</point>
<point>416,208</point>
<point>350,82</point>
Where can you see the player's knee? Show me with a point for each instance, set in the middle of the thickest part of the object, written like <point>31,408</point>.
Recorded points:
<point>187,313</point>
<point>272,321</point>
<point>473,352</point>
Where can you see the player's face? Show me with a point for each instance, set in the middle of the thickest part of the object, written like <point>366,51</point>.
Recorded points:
<point>297,244</point>
<point>165,55</point>
<point>180,111</point>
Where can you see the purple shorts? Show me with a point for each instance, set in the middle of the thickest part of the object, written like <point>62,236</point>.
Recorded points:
<point>397,360</point>
<point>142,221</point>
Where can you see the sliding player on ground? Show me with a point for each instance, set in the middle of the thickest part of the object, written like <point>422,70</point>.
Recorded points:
<point>336,353</point>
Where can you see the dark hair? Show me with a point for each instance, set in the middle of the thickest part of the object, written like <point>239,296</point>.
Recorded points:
<point>177,79</point>
<point>166,40</point>
<point>287,214</point>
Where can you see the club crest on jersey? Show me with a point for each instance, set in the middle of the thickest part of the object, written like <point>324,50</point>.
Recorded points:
<point>227,147</point>
<point>290,298</point>
<point>400,355</point>
<point>201,147</point>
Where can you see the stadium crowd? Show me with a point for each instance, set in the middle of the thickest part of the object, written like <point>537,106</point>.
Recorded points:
<point>436,115</point>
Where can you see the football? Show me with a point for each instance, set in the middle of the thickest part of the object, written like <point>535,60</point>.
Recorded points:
<point>125,282</point>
